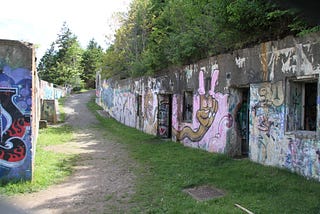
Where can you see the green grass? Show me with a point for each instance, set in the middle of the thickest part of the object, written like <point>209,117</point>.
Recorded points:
<point>54,135</point>
<point>82,90</point>
<point>50,167</point>
<point>166,168</point>
<point>62,114</point>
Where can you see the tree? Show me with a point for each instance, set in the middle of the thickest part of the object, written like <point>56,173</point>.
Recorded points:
<point>47,65</point>
<point>91,62</point>
<point>159,34</point>
<point>130,41</point>
<point>61,64</point>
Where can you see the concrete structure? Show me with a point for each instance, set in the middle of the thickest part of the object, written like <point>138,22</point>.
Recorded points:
<point>263,102</point>
<point>49,95</point>
<point>18,112</point>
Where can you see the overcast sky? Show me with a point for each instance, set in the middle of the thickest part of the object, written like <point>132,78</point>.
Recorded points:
<point>39,21</point>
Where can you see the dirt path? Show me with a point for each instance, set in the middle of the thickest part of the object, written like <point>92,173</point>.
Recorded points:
<point>103,180</point>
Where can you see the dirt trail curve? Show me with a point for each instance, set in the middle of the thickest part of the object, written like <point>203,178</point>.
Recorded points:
<point>102,181</point>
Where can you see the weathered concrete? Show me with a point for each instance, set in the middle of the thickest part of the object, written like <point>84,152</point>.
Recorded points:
<point>23,99</point>
<point>18,118</point>
<point>261,101</point>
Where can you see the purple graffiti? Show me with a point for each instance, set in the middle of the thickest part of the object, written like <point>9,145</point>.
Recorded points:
<point>17,74</point>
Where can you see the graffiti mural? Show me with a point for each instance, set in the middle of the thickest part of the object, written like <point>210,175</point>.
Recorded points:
<point>266,121</point>
<point>212,119</point>
<point>107,95</point>
<point>124,106</point>
<point>302,156</point>
<point>317,173</point>
<point>205,116</point>
<point>150,111</point>
<point>274,77</point>
<point>15,127</point>
<point>49,92</point>
<point>164,123</point>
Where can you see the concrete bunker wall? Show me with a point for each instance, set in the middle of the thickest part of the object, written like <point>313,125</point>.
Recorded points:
<point>18,117</point>
<point>261,101</point>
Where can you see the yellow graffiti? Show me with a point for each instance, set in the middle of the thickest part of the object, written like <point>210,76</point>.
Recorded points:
<point>205,116</point>
<point>264,63</point>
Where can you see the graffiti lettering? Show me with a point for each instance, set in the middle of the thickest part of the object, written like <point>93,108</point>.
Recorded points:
<point>12,128</point>
<point>163,116</point>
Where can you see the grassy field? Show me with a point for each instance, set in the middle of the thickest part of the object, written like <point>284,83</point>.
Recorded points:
<point>166,168</point>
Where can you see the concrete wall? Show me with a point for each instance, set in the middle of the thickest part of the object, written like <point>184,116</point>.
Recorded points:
<point>49,95</point>
<point>24,99</point>
<point>253,101</point>
<point>50,92</point>
<point>18,118</point>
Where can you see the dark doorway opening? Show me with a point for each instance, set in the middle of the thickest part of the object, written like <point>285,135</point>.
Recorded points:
<point>139,111</point>
<point>164,115</point>
<point>243,121</point>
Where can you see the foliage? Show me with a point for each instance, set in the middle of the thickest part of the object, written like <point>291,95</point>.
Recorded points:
<point>130,42</point>
<point>61,63</point>
<point>165,168</point>
<point>46,67</point>
<point>159,34</point>
<point>91,63</point>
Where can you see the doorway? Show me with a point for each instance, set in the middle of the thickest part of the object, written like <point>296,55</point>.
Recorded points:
<point>139,111</point>
<point>243,121</point>
<point>164,115</point>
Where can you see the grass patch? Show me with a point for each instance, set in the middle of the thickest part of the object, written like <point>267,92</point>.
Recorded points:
<point>62,114</point>
<point>54,135</point>
<point>50,167</point>
<point>166,168</point>
<point>79,91</point>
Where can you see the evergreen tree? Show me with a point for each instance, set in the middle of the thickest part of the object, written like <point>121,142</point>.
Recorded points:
<point>47,65</point>
<point>61,64</point>
<point>91,62</point>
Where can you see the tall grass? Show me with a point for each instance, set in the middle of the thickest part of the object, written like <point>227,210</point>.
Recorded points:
<point>166,168</point>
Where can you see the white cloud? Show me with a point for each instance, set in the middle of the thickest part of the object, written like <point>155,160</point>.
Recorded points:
<point>39,21</point>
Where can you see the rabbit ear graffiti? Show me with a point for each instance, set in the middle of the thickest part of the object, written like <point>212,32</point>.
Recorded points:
<point>212,119</point>
<point>205,114</point>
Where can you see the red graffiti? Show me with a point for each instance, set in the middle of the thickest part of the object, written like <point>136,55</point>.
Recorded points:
<point>18,127</point>
<point>17,155</point>
<point>12,146</point>
<point>13,151</point>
